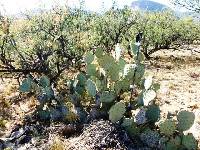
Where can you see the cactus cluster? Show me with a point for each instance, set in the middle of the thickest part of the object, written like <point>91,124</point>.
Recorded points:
<point>112,88</point>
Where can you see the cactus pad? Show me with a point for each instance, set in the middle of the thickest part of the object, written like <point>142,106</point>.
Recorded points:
<point>89,57</point>
<point>150,138</point>
<point>117,111</point>
<point>107,97</point>
<point>26,85</point>
<point>44,81</point>
<point>153,113</point>
<point>91,87</point>
<point>148,96</point>
<point>91,69</point>
<point>189,142</point>
<point>185,120</point>
<point>168,127</point>
<point>140,117</point>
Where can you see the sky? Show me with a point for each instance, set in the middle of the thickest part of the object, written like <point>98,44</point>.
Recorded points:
<point>11,7</point>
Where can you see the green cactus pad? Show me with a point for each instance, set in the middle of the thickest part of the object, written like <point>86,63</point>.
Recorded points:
<point>82,79</point>
<point>79,89</point>
<point>127,122</point>
<point>148,96</point>
<point>185,120</point>
<point>91,87</point>
<point>168,127</point>
<point>189,142</point>
<point>107,97</point>
<point>99,53</point>
<point>106,62</point>
<point>91,69</point>
<point>139,73</point>
<point>44,81</point>
<point>131,127</point>
<point>25,85</point>
<point>114,72</point>
<point>134,48</point>
<point>140,57</point>
<point>43,115</point>
<point>170,146</point>
<point>49,92</point>
<point>122,64</point>
<point>117,111</point>
<point>153,113</point>
<point>55,115</point>
<point>89,57</point>
<point>150,138</point>
<point>176,140</point>
<point>121,85</point>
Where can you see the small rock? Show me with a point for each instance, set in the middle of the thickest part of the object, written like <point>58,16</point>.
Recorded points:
<point>24,139</point>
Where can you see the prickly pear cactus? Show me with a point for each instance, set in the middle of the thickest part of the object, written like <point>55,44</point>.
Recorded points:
<point>168,127</point>
<point>25,85</point>
<point>185,120</point>
<point>44,81</point>
<point>150,138</point>
<point>117,111</point>
<point>107,97</point>
<point>91,69</point>
<point>140,117</point>
<point>91,87</point>
<point>148,96</point>
<point>170,146</point>
<point>130,126</point>
<point>189,142</point>
<point>176,140</point>
<point>127,122</point>
<point>153,113</point>
<point>106,62</point>
<point>89,57</point>
<point>99,53</point>
<point>81,78</point>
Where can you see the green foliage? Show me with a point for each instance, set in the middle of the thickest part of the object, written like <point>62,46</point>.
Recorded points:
<point>91,87</point>
<point>189,142</point>
<point>89,57</point>
<point>26,85</point>
<point>44,81</point>
<point>117,111</point>
<point>153,113</point>
<point>185,120</point>
<point>107,97</point>
<point>150,138</point>
<point>168,127</point>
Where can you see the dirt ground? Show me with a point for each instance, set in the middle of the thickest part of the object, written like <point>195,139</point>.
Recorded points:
<point>178,73</point>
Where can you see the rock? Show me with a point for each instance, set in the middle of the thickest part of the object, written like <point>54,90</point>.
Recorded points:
<point>17,134</point>
<point>24,139</point>
<point>101,135</point>
<point>1,144</point>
